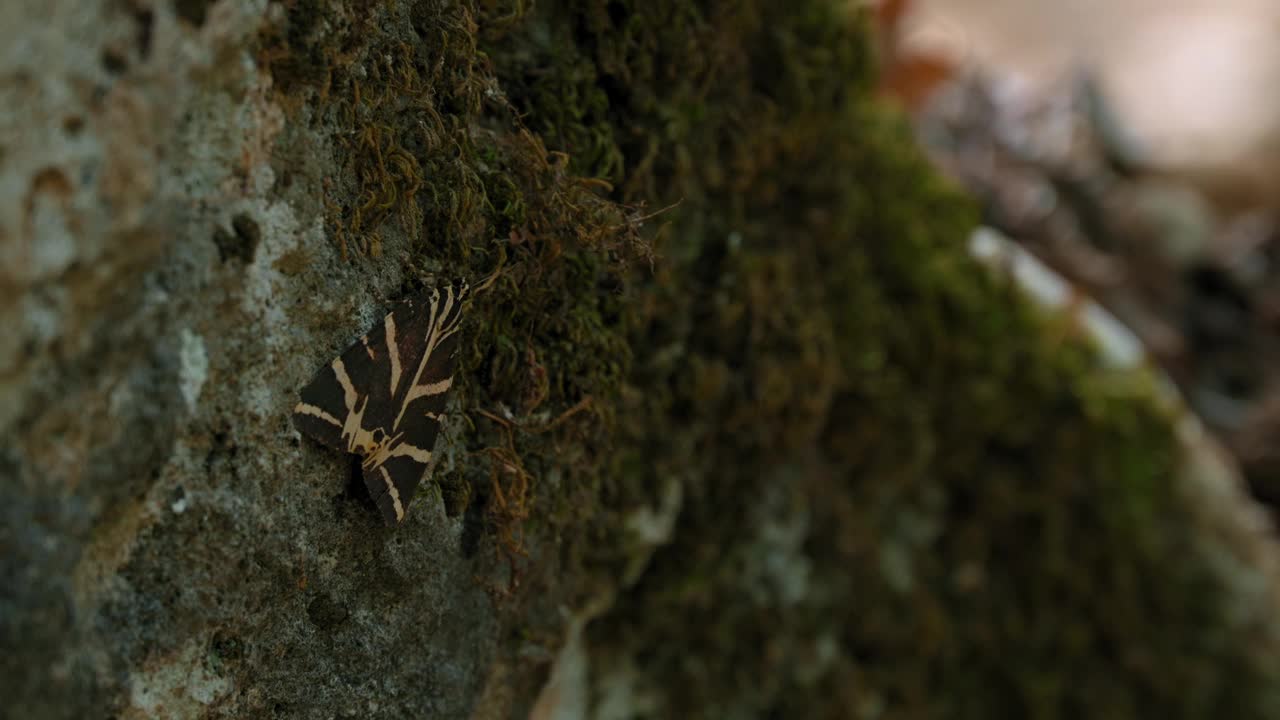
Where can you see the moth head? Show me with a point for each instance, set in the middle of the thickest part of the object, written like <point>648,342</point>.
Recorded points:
<point>457,289</point>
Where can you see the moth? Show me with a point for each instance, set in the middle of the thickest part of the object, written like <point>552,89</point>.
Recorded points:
<point>383,399</point>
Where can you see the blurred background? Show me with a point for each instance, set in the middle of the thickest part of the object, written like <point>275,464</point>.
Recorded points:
<point>1134,146</point>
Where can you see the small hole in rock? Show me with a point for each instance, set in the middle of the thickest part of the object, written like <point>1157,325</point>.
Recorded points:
<point>193,11</point>
<point>114,61</point>
<point>241,243</point>
<point>146,20</point>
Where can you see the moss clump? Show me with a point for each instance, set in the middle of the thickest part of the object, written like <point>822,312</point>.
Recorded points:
<point>901,499</point>
<point>437,169</point>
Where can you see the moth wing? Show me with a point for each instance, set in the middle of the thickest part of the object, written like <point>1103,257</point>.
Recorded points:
<point>341,397</point>
<point>383,398</point>
<point>428,356</point>
<point>392,485</point>
<point>420,420</point>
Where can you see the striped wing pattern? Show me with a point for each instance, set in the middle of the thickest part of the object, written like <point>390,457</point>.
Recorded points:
<point>384,397</point>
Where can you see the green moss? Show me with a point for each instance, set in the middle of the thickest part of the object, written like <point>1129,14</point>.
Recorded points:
<point>985,532</point>
<point>902,496</point>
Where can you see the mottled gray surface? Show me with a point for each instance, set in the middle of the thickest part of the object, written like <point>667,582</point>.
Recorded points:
<point>171,547</point>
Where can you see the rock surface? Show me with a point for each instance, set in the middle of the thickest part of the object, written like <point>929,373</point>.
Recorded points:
<point>779,450</point>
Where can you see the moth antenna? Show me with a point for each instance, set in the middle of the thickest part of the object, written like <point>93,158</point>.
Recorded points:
<point>639,219</point>
<point>488,282</point>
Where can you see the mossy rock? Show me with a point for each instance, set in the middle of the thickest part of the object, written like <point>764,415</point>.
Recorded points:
<point>904,492</point>
<point>739,429</point>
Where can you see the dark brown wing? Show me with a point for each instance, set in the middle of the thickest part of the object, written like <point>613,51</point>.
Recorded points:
<point>332,407</point>
<point>383,398</point>
<point>427,358</point>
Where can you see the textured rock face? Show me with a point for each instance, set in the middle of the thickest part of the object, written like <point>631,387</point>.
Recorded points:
<point>166,535</point>
<point>806,458</point>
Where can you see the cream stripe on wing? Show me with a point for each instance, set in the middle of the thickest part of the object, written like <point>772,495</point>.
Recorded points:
<point>411,451</point>
<point>313,411</point>
<point>446,332</point>
<point>395,494</point>
<point>420,391</point>
<point>437,315</point>
<point>348,390</point>
<point>434,388</point>
<point>358,439</point>
<point>389,325</point>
